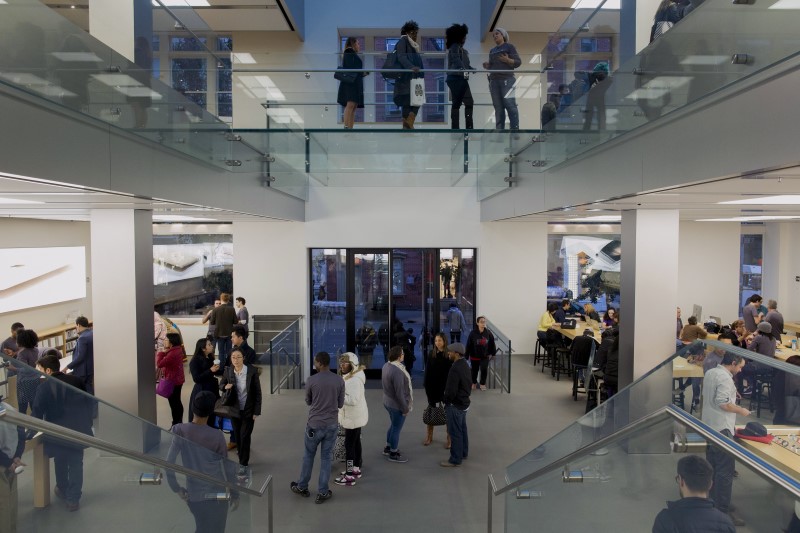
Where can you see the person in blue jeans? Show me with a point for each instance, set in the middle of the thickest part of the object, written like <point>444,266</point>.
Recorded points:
<point>503,59</point>
<point>325,396</point>
<point>398,401</point>
<point>456,400</point>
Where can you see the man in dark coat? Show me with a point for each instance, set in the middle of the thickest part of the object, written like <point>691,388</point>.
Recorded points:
<point>62,400</point>
<point>456,399</point>
<point>694,512</point>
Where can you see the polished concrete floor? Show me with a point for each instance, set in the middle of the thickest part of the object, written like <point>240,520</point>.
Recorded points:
<point>416,496</point>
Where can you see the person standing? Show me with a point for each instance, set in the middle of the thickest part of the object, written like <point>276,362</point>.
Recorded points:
<point>325,393</point>
<point>503,59</point>
<point>9,346</point>
<point>719,412</point>
<point>206,456</point>
<point>82,364</point>
<point>456,399</point>
<point>242,314</point>
<point>203,370</point>
<point>694,511</point>
<point>750,313</point>
<point>407,50</point>
<point>66,407</point>
<point>398,400</point>
<point>437,366</point>
<point>207,318</point>
<point>351,93</point>
<point>171,361</point>
<point>243,380</point>
<point>239,340</point>
<point>775,319</point>
<point>455,322</point>
<point>458,82</point>
<point>12,444</point>
<point>223,318</point>
<point>480,350</point>
<point>27,379</point>
<point>353,416</point>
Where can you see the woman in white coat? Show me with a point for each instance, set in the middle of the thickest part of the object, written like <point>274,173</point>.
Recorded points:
<point>352,416</point>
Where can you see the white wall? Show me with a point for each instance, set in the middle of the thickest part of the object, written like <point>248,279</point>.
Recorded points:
<point>29,233</point>
<point>780,267</point>
<point>708,268</point>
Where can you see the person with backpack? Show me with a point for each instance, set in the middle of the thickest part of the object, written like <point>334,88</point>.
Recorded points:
<point>407,50</point>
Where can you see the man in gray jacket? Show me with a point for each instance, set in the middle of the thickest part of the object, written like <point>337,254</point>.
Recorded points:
<point>456,322</point>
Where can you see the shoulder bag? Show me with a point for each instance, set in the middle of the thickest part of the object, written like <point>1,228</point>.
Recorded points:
<point>227,406</point>
<point>164,387</point>
<point>344,76</point>
<point>392,63</point>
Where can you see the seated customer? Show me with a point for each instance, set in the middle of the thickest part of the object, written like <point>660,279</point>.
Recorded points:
<point>560,315</point>
<point>546,322</point>
<point>694,511</point>
<point>691,331</point>
<point>590,312</point>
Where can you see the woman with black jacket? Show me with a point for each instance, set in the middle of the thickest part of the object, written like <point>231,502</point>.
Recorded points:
<point>437,366</point>
<point>351,93</point>
<point>480,350</point>
<point>243,381</point>
<point>407,50</point>
<point>204,370</point>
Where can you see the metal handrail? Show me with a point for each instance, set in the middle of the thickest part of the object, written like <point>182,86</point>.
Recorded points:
<point>82,439</point>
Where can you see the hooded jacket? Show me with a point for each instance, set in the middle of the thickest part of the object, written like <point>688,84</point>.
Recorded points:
<point>354,412</point>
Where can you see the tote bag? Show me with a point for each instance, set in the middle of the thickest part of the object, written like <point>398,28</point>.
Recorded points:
<point>417,92</point>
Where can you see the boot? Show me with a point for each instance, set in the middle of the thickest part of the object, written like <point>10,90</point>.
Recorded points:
<point>411,118</point>
<point>454,117</point>
<point>447,444</point>
<point>429,438</point>
<point>406,125</point>
<point>468,116</point>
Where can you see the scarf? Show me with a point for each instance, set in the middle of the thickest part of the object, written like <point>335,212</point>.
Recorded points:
<point>413,44</point>
<point>402,368</point>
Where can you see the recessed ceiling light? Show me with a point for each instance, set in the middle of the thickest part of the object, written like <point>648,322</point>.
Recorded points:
<point>180,218</point>
<point>243,57</point>
<point>18,201</point>
<point>598,218</point>
<point>759,218</point>
<point>83,57</point>
<point>782,199</point>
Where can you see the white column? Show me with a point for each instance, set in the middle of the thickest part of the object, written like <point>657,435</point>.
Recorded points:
<point>649,291</point>
<point>111,22</point>
<point>122,307</point>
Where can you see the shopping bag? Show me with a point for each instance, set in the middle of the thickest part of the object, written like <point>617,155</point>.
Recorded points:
<point>417,92</point>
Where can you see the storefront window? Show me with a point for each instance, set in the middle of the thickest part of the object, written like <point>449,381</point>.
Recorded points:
<point>752,254</point>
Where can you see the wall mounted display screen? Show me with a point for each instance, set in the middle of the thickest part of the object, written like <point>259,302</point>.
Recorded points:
<point>31,277</point>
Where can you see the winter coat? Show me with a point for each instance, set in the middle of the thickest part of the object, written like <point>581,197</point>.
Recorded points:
<point>354,413</point>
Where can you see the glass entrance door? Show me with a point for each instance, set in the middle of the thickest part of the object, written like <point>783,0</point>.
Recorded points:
<point>369,307</point>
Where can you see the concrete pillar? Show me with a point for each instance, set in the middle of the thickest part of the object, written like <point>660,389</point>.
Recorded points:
<point>117,24</point>
<point>648,292</point>
<point>122,307</point>
<point>636,19</point>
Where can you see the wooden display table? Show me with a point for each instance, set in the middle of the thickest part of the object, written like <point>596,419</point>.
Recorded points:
<point>775,454</point>
<point>682,369</point>
<point>577,332</point>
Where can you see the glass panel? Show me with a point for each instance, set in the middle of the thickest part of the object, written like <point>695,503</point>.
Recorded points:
<point>626,485</point>
<point>752,255</point>
<point>456,292</point>
<point>285,351</point>
<point>408,306</point>
<point>371,286</point>
<point>328,300</point>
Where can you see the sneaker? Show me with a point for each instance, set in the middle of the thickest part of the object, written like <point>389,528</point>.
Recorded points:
<point>345,480</point>
<point>242,471</point>
<point>322,496</point>
<point>297,490</point>
<point>356,473</point>
<point>73,506</point>
<point>483,387</point>
<point>448,464</point>
<point>395,457</point>
<point>386,450</point>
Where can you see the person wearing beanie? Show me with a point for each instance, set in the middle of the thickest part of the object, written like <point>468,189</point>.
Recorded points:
<point>202,448</point>
<point>503,59</point>
<point>456,399</point>
<point>761,342</point>
<point>353,415</point>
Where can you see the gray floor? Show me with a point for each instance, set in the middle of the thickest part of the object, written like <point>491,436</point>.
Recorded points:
<point>418,495</point>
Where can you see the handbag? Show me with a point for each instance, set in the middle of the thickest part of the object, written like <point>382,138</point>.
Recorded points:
<point>164,387</point>
<point>344,76</point>
<point>433,415</point>
<point>339,452</point>
<point>226,411</point>
<point>391,63</point>
<point>417,92</point>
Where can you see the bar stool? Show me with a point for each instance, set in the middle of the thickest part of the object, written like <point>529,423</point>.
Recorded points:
<point>561,364</point>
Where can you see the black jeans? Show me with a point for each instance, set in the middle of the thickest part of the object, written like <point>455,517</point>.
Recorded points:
<point>352,448</point>
<point>243,430</point>
<point>209,516</point>
<point>176,405</point>
<point>455,336</point>
<point>68,466</point>
<point>483,366</point>
<point>459,89</point>
<point>724,466</point>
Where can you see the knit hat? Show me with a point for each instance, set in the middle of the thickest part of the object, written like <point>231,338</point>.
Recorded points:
<point>503,32</point>
<point>351,357</point>
<point>764,327</point>
<point>456,347</point>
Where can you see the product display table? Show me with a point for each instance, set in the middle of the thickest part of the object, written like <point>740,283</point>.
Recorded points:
<point>783,458</point>
<point>682,369</point>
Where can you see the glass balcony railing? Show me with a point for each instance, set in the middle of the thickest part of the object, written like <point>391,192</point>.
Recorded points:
<point>627,447</point>
<point>279,113</point>
<point>141,491</point>
<point>128,462</point>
